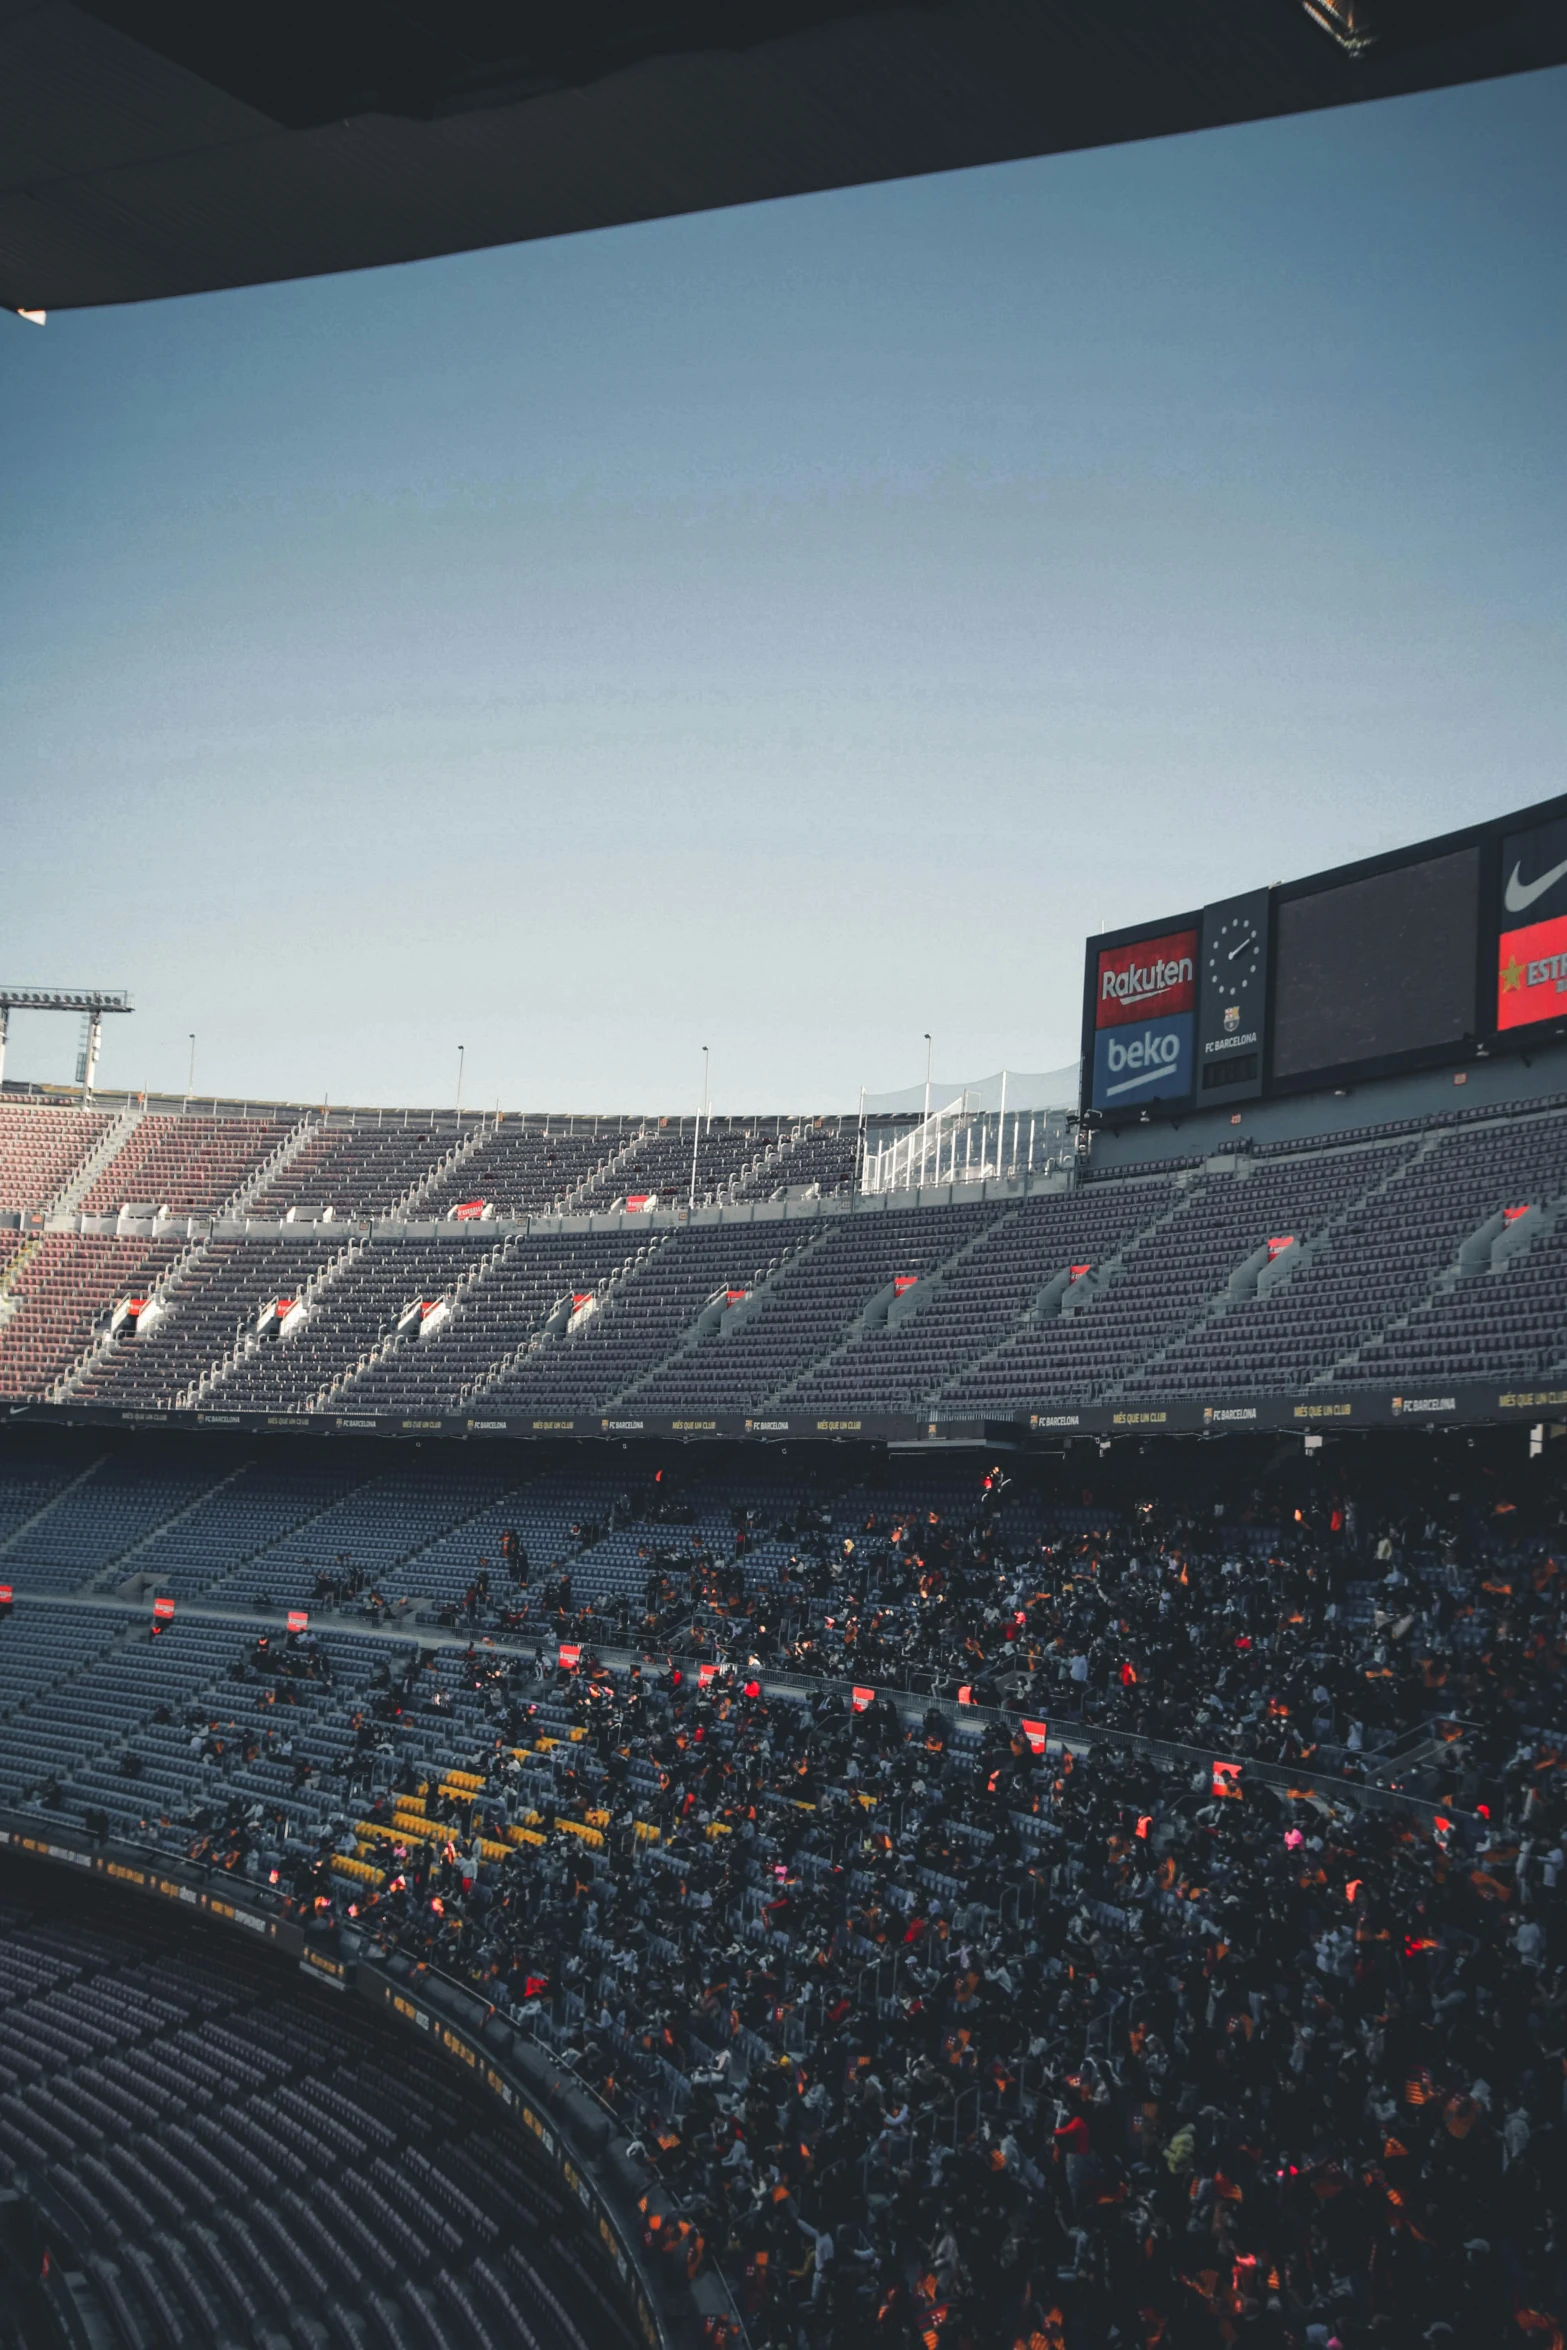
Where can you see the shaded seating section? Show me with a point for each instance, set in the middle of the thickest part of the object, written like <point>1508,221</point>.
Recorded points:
<point>723,1900</point>
<point>1510,1324</point>
<point>732,1161</point>
<point>974,1305</point>
<point>353,1317</point>
<point>98,1523</point>
<point>66,1286</point>
<point>361,1166</point>
<point>245,1514</point>
<point>1371,1294</point>
<point>640,1321</point>
<point>821,1157</point>
<point>1378,1263</point>
<point>521,1289</point>
<point>33,1473</point>
<point>531,1166</point>
<point>561,1517</point>
<point>836,1273</point>
<point>42,1651</point>
<point>41,1147</point>
<point>111,1679</point>
<point>361,1537</point>
<point>232,2160</point>
<point>212,1310</point>
<point>190,1165</point>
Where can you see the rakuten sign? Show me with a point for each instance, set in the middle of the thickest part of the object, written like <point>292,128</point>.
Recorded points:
<point>1148,980</point>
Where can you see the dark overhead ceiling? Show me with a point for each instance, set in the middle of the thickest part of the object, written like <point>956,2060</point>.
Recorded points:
<point>157,147</point>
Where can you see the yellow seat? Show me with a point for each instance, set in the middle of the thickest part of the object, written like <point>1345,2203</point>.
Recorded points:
<point>360,1870</point>
<point>592,1836</point>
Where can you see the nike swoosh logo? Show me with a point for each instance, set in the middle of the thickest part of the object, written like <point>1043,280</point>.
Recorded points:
<point>1519,896</point>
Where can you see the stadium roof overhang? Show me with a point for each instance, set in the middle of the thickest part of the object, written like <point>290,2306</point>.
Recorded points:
<point>159,147</point>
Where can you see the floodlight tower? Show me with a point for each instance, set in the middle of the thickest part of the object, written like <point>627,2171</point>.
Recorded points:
<point>91,1002</point>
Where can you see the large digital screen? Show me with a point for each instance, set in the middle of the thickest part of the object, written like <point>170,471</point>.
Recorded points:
<point>1531,956</point>
<point>1144,995</point>
<point>1437,953</point>
<point>1378,967</point>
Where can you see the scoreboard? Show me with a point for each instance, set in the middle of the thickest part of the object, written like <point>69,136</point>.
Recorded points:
<point>1399,962</point>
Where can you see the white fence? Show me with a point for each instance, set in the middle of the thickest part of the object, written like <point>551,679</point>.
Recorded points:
<point>962,1143</point>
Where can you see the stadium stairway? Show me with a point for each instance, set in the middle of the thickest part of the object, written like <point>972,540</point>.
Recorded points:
<point>1054,1299</point>
<point>110,1140</point>
<point>248,1340</point>
<point>26,1525</point>
<point>556,1330</point>
<point>1241,1288</point>
<point>1495,1248</point>
<point>407,1334</point>
<point>10,1302</point>
<point>288,1150</point>
<point>594,1184</point>
<point>113,1573</point>
<point>465,1148</point>
<point>890,1308</point>
<point>156,1292</point>
<point>718,1320</point>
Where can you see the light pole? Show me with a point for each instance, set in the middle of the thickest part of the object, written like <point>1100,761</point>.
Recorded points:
<point>697,1136</point>
<point>461,1049</point>
<point>190,1074</point>
<point>924,1128</point>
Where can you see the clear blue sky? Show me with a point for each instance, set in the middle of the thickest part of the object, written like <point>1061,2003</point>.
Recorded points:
<point>789,629</point>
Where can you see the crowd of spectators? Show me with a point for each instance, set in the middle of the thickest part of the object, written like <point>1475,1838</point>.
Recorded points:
<point>1154,1934</point>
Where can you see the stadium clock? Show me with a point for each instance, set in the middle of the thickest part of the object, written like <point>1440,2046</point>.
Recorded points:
<point>1235,954</point>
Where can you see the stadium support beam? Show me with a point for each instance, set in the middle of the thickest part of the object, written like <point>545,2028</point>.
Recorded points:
<point>91,1002</point>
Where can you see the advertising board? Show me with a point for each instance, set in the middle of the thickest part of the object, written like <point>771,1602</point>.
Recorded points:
<point>1531,950</point>
<point>1409,960</point>
<point>1145,990</point>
